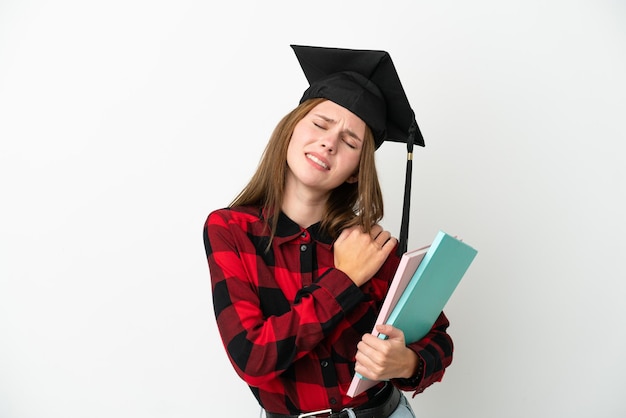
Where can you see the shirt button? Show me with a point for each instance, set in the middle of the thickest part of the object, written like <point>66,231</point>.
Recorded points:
<point>303,248</point>
<point>333,401</point>
<point>303,234</point>
<point>324,363</point>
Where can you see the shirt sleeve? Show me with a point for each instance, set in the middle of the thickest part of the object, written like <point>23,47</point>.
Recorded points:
<point>435,354</point>
<point>259,347</point>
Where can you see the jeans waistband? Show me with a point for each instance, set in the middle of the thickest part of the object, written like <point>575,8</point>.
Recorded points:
<point>376,408</point>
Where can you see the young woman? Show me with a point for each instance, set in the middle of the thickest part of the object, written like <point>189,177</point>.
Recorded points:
<point>299,266</point>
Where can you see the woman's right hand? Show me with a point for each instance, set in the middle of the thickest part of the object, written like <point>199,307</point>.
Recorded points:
<point>360,255</point>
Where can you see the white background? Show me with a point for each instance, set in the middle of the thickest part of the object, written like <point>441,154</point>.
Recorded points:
<point>124,123</point>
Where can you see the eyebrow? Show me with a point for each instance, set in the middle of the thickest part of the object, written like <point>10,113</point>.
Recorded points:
<point>348,131</point>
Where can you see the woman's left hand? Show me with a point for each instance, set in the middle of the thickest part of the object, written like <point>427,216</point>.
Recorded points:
<point>390,358</point>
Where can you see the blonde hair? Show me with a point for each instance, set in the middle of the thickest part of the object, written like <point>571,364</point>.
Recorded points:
<point>350,204</point>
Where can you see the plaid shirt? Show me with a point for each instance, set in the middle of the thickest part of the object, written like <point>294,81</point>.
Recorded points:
<point>290,321</point>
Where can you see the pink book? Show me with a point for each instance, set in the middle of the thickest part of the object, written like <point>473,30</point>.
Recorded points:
<point>408,264</point>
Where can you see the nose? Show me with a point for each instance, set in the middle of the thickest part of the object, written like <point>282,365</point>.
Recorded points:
<point>328,147</point>
<point>329,142</point>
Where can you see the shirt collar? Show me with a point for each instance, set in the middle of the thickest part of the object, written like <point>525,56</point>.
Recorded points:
<point>287,229</point>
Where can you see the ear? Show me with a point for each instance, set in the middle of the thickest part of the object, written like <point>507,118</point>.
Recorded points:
<point>352,179</point>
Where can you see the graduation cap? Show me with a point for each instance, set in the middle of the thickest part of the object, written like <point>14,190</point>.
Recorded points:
<point>366,83</point>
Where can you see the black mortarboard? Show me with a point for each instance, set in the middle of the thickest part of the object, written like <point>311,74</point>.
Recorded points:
<point>366,83</point>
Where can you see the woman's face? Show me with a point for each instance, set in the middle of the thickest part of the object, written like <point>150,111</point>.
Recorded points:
<point>325,148</point>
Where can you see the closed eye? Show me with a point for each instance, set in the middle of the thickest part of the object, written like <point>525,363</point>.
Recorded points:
<point>349,143</point>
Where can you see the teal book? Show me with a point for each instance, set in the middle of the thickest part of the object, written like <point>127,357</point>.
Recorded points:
<point>431,286</point>
<point>422,285</point>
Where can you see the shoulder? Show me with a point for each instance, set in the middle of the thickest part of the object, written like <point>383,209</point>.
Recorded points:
<point>228,229</point>
<point>244,217</point>
<point>237,214</point>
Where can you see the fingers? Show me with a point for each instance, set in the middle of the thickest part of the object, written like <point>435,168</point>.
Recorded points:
<point>359,254</point>
<point>382,359</point>
<point>377,348</point>
<point>390,331</point>
<point>379,236</point>
<point>382,237</point>
<point>372,357</point>
<point>376,230</point>
<point>367,361</point>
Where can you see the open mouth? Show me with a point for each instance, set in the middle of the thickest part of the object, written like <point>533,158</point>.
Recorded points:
<point>317,161</point>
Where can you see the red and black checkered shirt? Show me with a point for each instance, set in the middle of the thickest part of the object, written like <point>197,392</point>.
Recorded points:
<point>290,321</point>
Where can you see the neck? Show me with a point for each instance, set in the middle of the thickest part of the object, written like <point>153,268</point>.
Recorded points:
<point>303,206</point>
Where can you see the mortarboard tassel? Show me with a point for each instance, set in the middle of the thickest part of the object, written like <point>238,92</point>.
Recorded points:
<point>406,207</point>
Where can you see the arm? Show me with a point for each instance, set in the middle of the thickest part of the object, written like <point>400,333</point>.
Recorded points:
<point>261,347</point>
<point>434,352</point>
<point>412,367</point>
